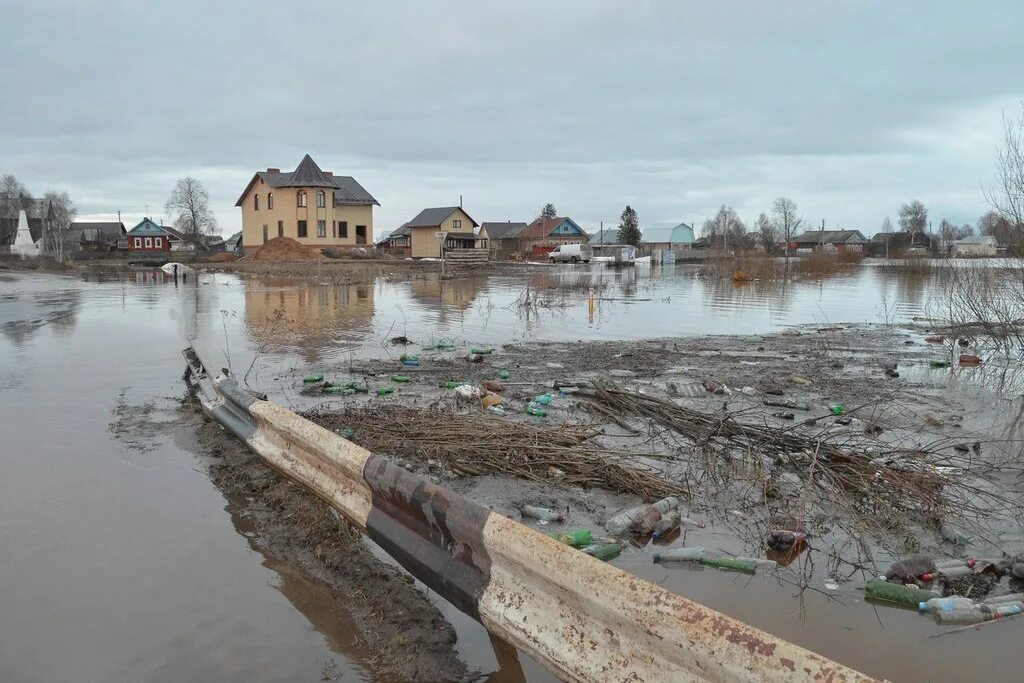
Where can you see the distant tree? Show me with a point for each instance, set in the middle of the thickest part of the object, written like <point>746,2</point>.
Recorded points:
<point>13,198</point>
<point>725,229</point>
<point>189,207</point>
<point>965,230</point>
<point>60,215</point>
<point>886,225</point>
<point>1007,196</point>
<point>629,227</point>
<point>913,217</point>
<point>947,233</point>
<point>786,222</point>
<point>549,211</point>
<point>768,233</point>
<point>996,225</point>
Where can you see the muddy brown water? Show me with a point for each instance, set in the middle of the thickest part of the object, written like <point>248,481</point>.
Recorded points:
<point>119,560</point>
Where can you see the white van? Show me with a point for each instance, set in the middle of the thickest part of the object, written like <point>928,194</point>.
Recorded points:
<point>572,253</point>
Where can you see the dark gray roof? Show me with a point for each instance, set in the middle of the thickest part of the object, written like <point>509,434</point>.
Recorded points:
<point>308,174</point>
<point>502,230</point>
<point>102,231</point>
<point>400,231</point>
<point>606,236</point>
<point>831,237</point>
<point>432,218</point>
<point>234,239</point>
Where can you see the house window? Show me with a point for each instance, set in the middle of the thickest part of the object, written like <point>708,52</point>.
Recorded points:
<point>343,229</point>
<point>360,234</point>
<point>456,224</point>
<point>138,243</point>
<point>301,198</point>
<point>334,228</point>
<point>256,202</point>
<point>321,228</point>
<point>264,233</point>
<point>157,242</point>
<point>280,229</point>
<point>270,200</point>
<point>302,228</point>
<point>320,201</point>
<point>149,242</point>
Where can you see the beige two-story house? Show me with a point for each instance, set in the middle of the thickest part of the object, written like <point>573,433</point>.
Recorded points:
<point>315,207</point>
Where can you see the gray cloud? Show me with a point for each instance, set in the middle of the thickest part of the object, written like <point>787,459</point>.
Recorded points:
<point>849,108</point>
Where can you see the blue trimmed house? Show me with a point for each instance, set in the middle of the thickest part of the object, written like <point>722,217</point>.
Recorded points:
<point>148,236</point>
<point>544,234</point>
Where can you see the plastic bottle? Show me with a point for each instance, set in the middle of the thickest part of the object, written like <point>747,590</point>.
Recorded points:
<point>449,385</point>
<point>1003,609</point>
<point>577,538</point>
<point>497,410</point>
<point>731,563</point>
<point>836,409</point>
<point>939,363</point>
<point>503,374</point>
<point>646,522</point>
<point>944,604</point>
<point>668,523</point>
<point>781,540</point>
<point>944,564</point>
<point>604,551</point>
<point>621,522</point>
<point>315,377</point>
<point>1012,597</point>
<point>680,554</point>
<point>954,572</point>
<point>759,562</point>
<point>384,391</point>
<point>482,352</point>
<point>898,593</point>
<point>411,362</point>
<point>543,514</point>
<point>666,504</point>
<point>347,432</point>
<point>543,399</point>
<point>358,388</point>
<point>401,379</point>
<point>536,410</point>
<point>338,391</point>
<point>962,615</point>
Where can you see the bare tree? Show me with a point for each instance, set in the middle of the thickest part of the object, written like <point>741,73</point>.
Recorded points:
<point>62,211</point>
<point>886,225</point>
<point>725,228</point>
<point>1007,195</point>
<point>548,212</point>
<point>786,222</point>
<point>13,198</point>
<point>913,217</point>
<point>948,232</point>
<point>768,232</point>
<point>189,206</point>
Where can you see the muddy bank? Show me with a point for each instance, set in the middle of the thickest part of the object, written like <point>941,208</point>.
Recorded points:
<point>407,635</point>
<point>355,271</point>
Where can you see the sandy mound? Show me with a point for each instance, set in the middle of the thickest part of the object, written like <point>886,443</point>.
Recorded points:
<point>284,249</point>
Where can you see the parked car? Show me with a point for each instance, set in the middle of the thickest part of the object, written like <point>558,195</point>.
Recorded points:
<point>572,253</point>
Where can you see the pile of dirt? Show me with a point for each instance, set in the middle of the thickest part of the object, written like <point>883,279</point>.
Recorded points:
<point>284,249</point>
<point>223,257</point>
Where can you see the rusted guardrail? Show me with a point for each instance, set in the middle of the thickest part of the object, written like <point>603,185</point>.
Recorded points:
<point>581,618</point>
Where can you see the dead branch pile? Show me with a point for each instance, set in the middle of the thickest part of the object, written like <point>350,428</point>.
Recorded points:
<point>475,444</point>
<point>877,488</point>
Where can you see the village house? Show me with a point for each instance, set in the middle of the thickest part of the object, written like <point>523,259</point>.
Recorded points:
<point>420,235</point>
<point>541,236</point>
<point>233,244</point>
<point>898,244</point>
<point>94,235</point>
<point>148,236</point>
<point>676,237</point>
<point>314,207</point>
<point>849,241</point>
<point>502,236</point>
<point>976,246</point>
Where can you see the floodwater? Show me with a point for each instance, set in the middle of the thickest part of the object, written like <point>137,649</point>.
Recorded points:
<point>120,561</point>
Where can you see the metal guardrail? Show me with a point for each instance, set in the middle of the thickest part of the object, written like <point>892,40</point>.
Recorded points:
<point>583,619</point>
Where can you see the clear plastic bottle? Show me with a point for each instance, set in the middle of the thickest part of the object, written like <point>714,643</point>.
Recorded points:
<point>666,504</point>
<point>543,514</point>
<point>694,554</point>
<point>962,615</point>
<point>668,523</point>
<point>646,522</point>
<point>945,604</point>
<point>1011,597</point>
<point>621,522</point>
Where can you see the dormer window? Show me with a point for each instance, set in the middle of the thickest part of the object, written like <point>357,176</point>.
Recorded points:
<point>301,198</point>
<point>320,199</point>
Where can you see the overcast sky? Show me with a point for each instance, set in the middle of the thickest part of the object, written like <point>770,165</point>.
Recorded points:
<point>850,108</point>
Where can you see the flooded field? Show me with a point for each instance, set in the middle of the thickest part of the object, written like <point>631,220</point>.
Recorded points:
<point>122,560</point>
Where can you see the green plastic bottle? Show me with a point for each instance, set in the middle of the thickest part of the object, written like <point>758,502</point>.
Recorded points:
<point>315,377</point>
<point>543,399</point>
<point>449,385</point>
<point>730,563</point>
<point>401,379</point>
<point>536,410</point>
<point>939,363</point>
<point>348,432</point>
<point>877,589</point>
<point>836,409</point>
<point>604,551</point>
<point>384,391</point>
<point>358,388</point>
<point>577,538</point>
<point>503,374</point>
